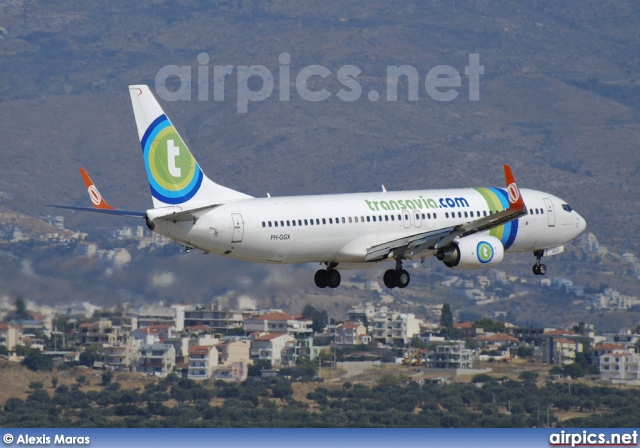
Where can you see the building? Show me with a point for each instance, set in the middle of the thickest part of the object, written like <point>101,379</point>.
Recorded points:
<point>237,371</point>
<point>10,336</point>
<point>453,355</point>
<point>232,352</point>
<point>215,318</point>
<point>121,355</point>
<point>172,316</point>
<point>466,330</point>
<point>393,328</point>
<point>597,351</point>
<point>279,323</point>
<point>351,333</point>
<point>560,347</point>
<point>270,347</point>
<point>100,332</point>
<point>620,367</point>
<point>156,359</point>
<point>365,311</point>
<point>203,359</point>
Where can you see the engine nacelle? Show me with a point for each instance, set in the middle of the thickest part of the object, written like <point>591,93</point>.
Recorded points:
<point>472,252</point>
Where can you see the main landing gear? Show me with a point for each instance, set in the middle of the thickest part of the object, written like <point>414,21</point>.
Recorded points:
<point>327,277</point>
<point>539,268</point>
<point>397,277</point>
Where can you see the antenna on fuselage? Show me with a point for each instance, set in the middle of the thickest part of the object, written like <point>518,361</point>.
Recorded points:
<point>384,190</point>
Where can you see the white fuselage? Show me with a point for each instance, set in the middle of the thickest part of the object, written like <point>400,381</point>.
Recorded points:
<point>339,228</point>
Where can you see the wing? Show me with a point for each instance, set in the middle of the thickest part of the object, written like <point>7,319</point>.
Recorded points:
<point>99,204</point>
<point>427,243</point>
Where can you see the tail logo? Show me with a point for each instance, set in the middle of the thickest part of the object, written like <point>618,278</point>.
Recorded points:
<point>94,195</point>
<point>514,193</point>
<point>485,252</point>
<point>174,175</point>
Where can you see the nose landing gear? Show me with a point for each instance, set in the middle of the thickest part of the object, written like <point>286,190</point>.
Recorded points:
<point>539,268</point>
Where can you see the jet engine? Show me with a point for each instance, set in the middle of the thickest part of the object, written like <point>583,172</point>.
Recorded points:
<point>472,252</point>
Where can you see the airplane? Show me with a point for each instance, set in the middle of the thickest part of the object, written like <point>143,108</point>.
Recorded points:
<point>465,228</point>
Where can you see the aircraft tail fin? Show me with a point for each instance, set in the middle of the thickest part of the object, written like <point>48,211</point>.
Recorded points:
<point>174,175</point>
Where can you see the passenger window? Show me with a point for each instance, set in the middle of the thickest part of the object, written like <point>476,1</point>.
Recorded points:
<point>350,220</point>
<point>435,216</point>
<point>276,223</point>
<point>343,220</point>
<point>374,219</point>
<point>428,215</point>
<point>318,221</point>
<point>264,224</point>
<point>356,218</point>
<point>459,214</point>
<point>399,217</point>
<point>471,214</point>
<point>423,216</point>
<point>542,211</point>
<point>537,211</point>
<point>281,223</point>
<point>484,212</point>
<point>299,222</point>
<point>330,220</point>
<point>393,218</point>
<point>446,214</point>
<point>386,217</point>
<point>466,215</point>
<point>306,223</point>
<point>288,223</point>
<point>324,220</point>
<point>368,219</point>
<point>269,223</point>
<point>293,223</point>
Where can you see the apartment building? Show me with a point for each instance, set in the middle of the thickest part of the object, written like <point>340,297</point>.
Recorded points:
<point>351,333</point>
<point>279,323</point>
<point>270,346</point>
<point>121,355</point>
<point>156,359</point>
<point>452,355</point>
<point>393,328</point>
<point>203,359</point>
<point>100,332</point>
<point>620,367</point>
<point>213,317</point>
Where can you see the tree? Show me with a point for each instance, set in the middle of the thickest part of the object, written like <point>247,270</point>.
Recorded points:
<point>36,361</point>
<point>88,357</point>
<point>528,375</point>
<point>107,376</point>
<point>258,366</point>
<point>525,352</point>
<point>319,318</point>
<point>446,320</point>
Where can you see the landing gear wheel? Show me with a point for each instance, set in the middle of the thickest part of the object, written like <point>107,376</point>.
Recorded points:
<point>333,278</point>
<point>321,278</point>
<point>402,278</point>
<point>389,278</point>
<point>542,269</point>
<point>536,269</point>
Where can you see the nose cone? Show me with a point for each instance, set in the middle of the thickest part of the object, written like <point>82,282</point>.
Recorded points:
<point>581,224</point>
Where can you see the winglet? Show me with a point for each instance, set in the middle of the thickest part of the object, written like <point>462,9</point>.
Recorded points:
<point>94,194</point>
<point>515,198</point>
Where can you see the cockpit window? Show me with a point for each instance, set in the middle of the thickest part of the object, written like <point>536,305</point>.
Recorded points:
<point>566,207</point>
